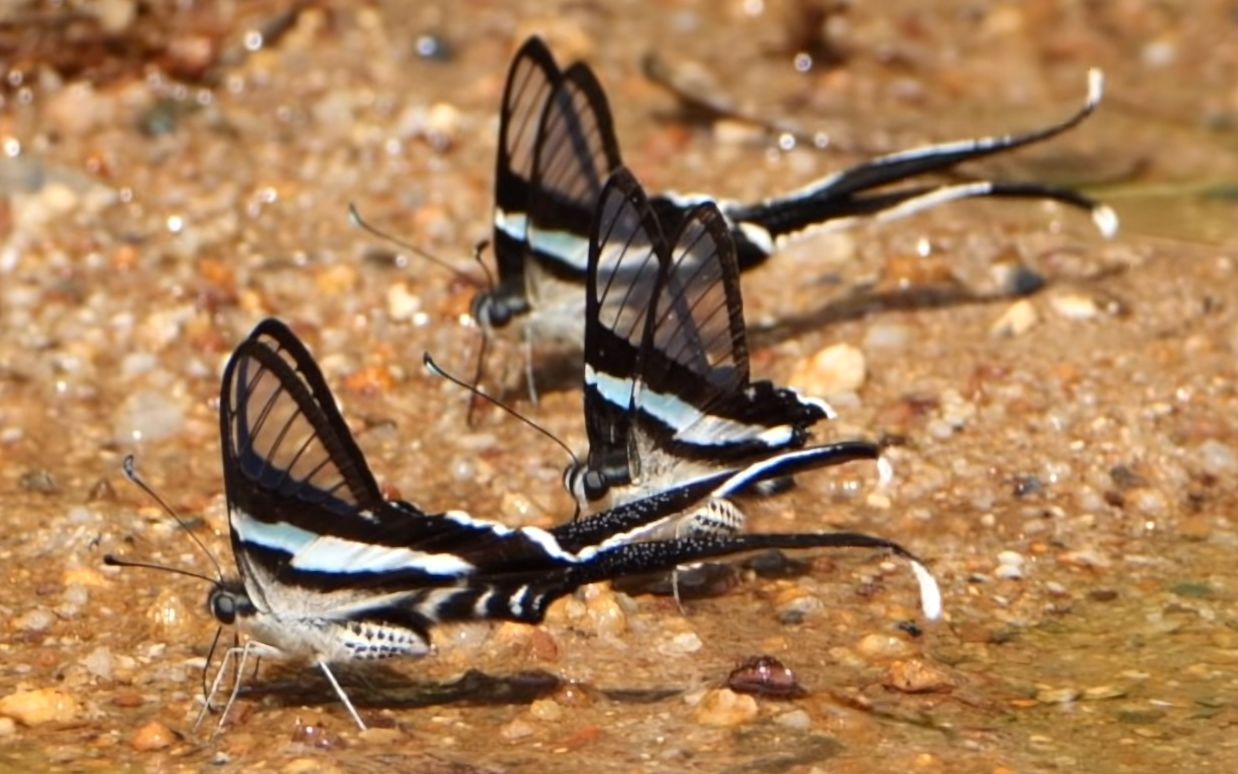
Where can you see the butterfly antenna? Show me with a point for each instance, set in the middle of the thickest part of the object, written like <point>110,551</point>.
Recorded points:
<point>470,418</point>
<point>129,466</point>
<point>478,249</point>
<point>355,216</point>
<point>434,368</point>
<point>115,561</point>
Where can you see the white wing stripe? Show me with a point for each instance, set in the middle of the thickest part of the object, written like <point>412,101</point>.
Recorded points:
<point>325,553</point>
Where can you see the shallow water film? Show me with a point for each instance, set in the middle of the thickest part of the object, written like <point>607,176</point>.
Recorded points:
<point>1059,410</point>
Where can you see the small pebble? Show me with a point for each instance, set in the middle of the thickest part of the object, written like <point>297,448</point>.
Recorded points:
<point>794,604</point>
<point>723,707</point>
<point>401,304</point>
<point>1074,306</point>
<point>516,730</point>
<point>1085,557</point>
<point>605,615</point>
<point>1057,695</point>
<point>37,620</point>
<point>39,480</point>
<point>44,705</point>
<point>1099,692</point>
<point>917,676</point>
<point>1018,319</point>
<point>1216,458</point>
<point>1028,486</point>
<point>152,736</point>
<point>433,47</point>
<point>681,644</point>
<point>1150,502</point>
<point>99,662</point>
<point>837,369</point>
<point>168,615</point>
<point>797,720</point>
<point>1009,565</point>
<point>875,647</point>
<point>546,709</point>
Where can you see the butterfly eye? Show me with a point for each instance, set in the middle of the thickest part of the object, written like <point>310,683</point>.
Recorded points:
<point>595,485</point>
<point>222,606</point>
<point>490,313</point>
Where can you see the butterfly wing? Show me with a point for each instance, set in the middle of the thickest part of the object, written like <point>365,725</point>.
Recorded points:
<point>695,410</point>
<point>531,79</point>
<point>575,153</point>
<point>839,200</point>
<point>627,259</point>
<point>304,509</point>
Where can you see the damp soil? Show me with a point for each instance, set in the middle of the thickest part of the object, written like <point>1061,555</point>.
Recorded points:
<point>173,173</point>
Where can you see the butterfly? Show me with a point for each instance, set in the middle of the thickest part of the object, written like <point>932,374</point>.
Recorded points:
<point>667,391</point>
<point>331,572</point>
<point>557,147</point>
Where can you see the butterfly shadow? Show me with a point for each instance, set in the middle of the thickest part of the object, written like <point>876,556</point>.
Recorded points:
<point>558,370</point>
<point>382,687</point>
<point>862,302</point>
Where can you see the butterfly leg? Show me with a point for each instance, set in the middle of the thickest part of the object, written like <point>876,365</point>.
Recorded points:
<point>239,656</point>
<point>717,518</point>
<point>528,364</point>
<point>326,670</point>
<point>229,654</point>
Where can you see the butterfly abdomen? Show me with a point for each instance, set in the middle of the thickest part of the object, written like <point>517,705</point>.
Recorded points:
<point>371,641</point>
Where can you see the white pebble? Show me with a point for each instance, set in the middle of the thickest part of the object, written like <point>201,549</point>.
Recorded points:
<point>401,304</point>
<point>836,369</point>
<point>1018,319</point>
<point>887,335</point>
<point>1217,459</point>
<point>99,662</point>
<point>1009,571</point>
<point>37,620</point>
<point>682,644</point>
<point>76,594</point>
<point>1013,558</point>
<point>795,719</point>
<point>1074,306</point>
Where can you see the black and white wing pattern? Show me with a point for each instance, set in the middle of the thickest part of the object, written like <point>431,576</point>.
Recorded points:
<point>628,263</point>
<point>531,79</point>
<point>667,390</point>
<point>557,146</point>
<point>330,571</point>
<point>843,199</point>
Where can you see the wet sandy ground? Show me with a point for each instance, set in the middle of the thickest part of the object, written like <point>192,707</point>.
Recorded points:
<point>1072,485</point>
